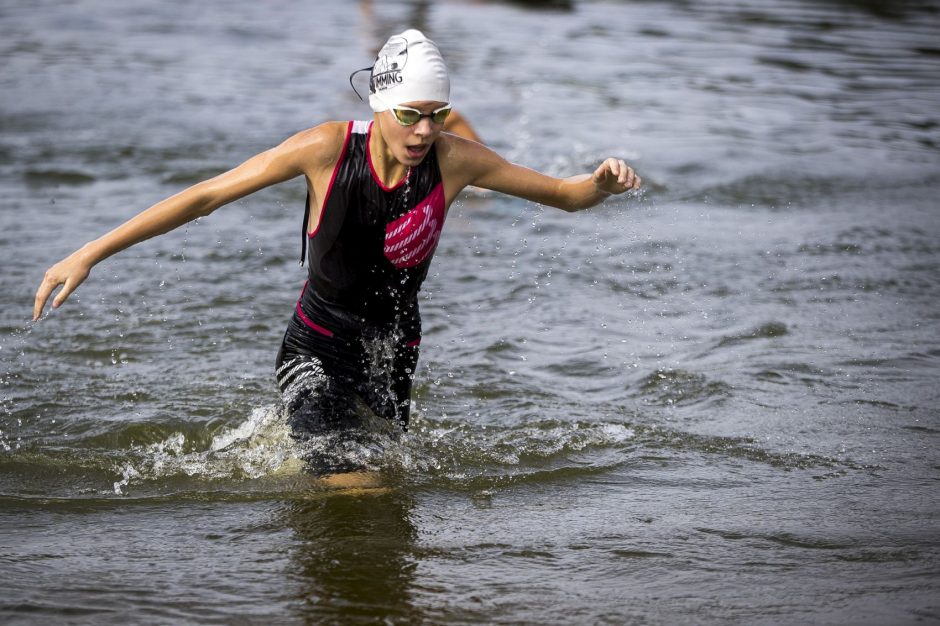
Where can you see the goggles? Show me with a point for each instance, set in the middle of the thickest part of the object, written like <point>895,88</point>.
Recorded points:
<point>407,116</point>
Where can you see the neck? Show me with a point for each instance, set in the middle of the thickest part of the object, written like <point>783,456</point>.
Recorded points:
<point>389,169</point>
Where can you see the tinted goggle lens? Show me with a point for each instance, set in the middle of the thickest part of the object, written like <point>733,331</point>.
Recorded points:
<point>409,117</point>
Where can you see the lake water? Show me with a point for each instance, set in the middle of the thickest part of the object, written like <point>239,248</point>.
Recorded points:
<point>713,403</point>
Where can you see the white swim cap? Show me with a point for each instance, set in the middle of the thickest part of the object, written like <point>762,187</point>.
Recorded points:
<point>409,68</point>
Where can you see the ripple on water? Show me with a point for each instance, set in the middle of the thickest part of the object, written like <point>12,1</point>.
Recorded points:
<point>769,330</point>
<point>257,457</point>
<point>794,372</point>
<point>789,540</point>
<point>644,286</point>
<point>56,177</point>
<point>772,191</point>
<point>906,239</point>
<point>676,387</point>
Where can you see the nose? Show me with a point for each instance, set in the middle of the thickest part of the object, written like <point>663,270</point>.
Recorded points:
<point>423,127</point>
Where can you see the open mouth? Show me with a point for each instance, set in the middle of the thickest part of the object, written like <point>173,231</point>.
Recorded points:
<point>416,152</point>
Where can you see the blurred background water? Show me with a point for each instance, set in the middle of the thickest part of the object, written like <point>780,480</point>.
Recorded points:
<point>714,403</point>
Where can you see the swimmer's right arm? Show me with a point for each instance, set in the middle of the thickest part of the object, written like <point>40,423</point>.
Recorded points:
<point>305,152</point>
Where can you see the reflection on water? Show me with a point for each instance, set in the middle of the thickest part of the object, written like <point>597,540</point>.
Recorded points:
<point>353,558</point>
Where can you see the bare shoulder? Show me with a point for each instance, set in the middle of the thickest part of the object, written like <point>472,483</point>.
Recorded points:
<point>462,159</point>
<point>457,148</point>
<point>316,147</point>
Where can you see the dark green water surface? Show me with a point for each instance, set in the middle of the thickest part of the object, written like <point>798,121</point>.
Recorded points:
<point>714,403</point>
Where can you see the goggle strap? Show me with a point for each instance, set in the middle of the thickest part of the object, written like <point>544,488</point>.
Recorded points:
<point>353,75</point>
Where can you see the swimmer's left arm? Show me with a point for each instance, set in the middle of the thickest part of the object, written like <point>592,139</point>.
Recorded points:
<point>466,163</point>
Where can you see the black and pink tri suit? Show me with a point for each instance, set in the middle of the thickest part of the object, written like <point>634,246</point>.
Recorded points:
<point>354,334</point>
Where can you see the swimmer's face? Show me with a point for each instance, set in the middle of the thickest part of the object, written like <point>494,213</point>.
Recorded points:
<point>410,144</point>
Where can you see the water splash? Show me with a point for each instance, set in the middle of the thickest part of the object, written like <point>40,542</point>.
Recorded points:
<point>258,458</point>
<point>259,446</point>
<point>458,453</point>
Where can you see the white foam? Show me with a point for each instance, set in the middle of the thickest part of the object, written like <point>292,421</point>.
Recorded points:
<point>259,446</point>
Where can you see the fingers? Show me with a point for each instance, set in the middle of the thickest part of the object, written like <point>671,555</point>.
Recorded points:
<point>50,281</point>
<point>615,166</point>
<point>627,177</point>
<point>42,294</point>
<point>624,174</point>
<point>616,170</point>
<point>601,173</point>
<point>70,285</point>
<point>70,272</point>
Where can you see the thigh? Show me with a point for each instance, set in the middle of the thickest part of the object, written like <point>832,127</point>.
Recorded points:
<point>388,392</point>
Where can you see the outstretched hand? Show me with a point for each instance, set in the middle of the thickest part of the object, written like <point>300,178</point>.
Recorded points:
<point>615,176</point>
<point>70,272</point>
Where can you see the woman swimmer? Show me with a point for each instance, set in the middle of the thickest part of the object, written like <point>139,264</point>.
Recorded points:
<point>378,193</point>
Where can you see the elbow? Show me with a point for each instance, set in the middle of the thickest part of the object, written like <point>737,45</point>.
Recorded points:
<point>203,201</point>
<point>203,209</point>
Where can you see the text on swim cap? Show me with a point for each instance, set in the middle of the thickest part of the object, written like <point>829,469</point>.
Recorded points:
<point>385,80</point>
